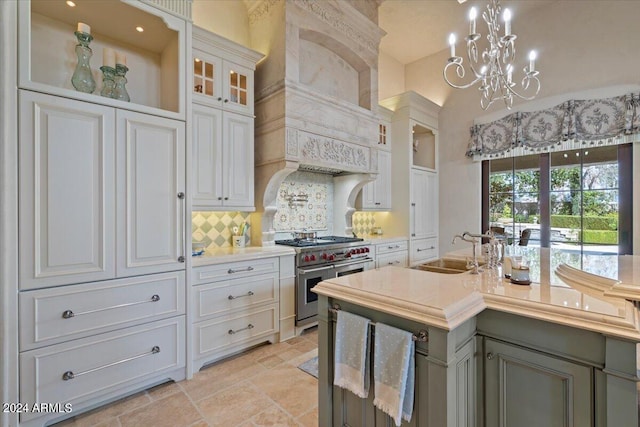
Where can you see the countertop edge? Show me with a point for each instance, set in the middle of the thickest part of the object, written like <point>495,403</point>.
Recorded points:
<point>243,254</point>
<point>448,318</point>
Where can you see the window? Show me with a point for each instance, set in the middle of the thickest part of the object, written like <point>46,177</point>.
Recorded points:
<point>578,200</point>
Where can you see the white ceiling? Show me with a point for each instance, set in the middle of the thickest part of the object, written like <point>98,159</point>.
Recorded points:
<point>419,28</point>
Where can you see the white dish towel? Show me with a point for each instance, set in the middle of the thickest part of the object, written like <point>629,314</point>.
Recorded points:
<point>352,354</point>
<point>394,372</point>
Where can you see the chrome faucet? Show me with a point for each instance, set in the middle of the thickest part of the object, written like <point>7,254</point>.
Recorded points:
<point>474,240</point>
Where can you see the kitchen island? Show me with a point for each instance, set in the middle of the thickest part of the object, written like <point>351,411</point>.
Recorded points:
<point>497,354</point>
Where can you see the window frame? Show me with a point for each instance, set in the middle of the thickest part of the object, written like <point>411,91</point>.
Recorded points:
<point>625,199</point>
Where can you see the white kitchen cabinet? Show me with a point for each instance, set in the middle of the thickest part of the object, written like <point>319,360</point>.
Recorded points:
<point>223,124</point>
<point>376,195</point>
<point>151,199</point>
<point>81,370</point>
<point>80,196</point>
<point>424,203</point>
<point>223,160</point>
<point>394,253</point>
<point>67,191</point>
<point>223,72</point>
<point>236,305</point>
<point>414,185</point>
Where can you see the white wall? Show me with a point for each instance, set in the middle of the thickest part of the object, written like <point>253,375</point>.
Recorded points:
<point>581,46</point>
<point>227,18</point>
<point>391,78</point>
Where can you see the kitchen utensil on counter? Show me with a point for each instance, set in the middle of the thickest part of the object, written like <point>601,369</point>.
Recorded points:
<point>520,275</point>
<point>198,248</point>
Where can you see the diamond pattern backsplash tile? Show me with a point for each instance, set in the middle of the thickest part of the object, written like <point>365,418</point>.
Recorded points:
<point>216,228</point>
<point>363,223</point>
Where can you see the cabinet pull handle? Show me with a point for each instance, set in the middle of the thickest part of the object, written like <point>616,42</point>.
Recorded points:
<point>394,262</point>
<point>413,204</point>
<point>413,234</point>
<point>232,332</point>
<point>68,314</point>
<point>377,203</point>
<point>181,227</point>
<point>69,375</point>
<point>248,294</point>
<point>426,249</point>
<point>393,247</point>
<point>231,270</point>
<point>490,356</point>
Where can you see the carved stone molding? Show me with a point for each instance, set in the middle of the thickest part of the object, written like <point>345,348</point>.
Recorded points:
<point>334,153</point>
<point>260,9</point>
<point>336,21</point>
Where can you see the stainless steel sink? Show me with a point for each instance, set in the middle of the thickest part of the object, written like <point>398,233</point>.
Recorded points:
<point>445,266</point>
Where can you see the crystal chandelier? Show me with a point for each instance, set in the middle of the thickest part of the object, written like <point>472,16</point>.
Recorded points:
<point>494,68</point>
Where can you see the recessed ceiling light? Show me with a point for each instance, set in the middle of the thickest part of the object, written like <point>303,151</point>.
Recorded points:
<point>139,29</point>
<point>232,72</point>
<point>197,59</point>
<point>70,3</point>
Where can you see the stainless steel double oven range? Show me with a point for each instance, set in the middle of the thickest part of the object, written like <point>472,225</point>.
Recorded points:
<point>321,259</point>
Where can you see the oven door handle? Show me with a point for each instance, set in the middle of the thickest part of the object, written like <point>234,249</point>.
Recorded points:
<point>349,264</point>
<point>314,270</point>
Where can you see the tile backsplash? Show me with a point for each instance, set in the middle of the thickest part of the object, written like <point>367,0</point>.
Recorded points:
<point>313,214</point>
<point>216,228</point>
<point>363,223</point>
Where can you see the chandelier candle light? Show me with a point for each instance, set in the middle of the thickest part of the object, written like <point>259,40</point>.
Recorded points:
<point>494,68</point>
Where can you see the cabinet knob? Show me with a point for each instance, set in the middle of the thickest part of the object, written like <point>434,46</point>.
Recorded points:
<point>490,356</point>
<point>377,203</point>
<point>226,198</point>
<point>219,198</point>
<point>219,98</point>
<point>226,100</point>
<point>181,195</point>
<point>413,204</point>
<point>180,259</point>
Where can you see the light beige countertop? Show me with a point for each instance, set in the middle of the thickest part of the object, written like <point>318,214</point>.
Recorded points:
<point>229,254</point>
<point>382,240</point>
<point>447,300</point>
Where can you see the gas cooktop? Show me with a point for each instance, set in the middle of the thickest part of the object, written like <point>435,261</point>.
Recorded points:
<point>322,240</point>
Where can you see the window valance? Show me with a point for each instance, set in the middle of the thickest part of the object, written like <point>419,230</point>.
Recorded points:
<point>569,125</point>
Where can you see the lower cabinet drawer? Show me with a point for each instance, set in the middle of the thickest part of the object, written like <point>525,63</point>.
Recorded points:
<point>424,249</point>
<point>51,316</point>
<point>214,336</point>
<point>218,298</point>
<point>234,270</point>
<point>401,245</point>
<point>397,259</point>
<point>82,369</point>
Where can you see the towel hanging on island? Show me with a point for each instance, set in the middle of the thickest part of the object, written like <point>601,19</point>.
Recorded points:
<point>352,354</point>
<point>394,372</point>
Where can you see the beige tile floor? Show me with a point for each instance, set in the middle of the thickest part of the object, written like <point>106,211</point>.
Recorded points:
<point>261,387</point>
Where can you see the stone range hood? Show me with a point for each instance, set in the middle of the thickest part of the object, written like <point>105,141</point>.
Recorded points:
<point>316,99</point>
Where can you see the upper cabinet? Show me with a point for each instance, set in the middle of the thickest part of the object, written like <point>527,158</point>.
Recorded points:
<point>149,41</point>
<point>223,72</point>
<point>223,123</point>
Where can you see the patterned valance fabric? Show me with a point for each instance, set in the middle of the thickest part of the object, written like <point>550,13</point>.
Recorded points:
<point>592,121</point>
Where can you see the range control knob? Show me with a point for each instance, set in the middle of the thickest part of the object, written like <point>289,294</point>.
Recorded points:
<point>331,257</point>
<point>352,251</point>
<point>366,250</point>
<point>324,256</point>
<point>347,255</point>
<point>313,257</point>
<point>306,258</point>
<point>359,250</point>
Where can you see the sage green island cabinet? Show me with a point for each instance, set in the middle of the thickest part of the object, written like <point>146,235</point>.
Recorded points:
<point>496,354</point>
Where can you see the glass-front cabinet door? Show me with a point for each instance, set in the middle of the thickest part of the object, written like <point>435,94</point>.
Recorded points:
<point>207,82</point>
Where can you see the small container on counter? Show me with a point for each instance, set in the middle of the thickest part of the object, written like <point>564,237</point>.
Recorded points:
<point>238,241</point>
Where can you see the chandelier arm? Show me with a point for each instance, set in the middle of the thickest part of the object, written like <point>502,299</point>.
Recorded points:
<point>496,72</point>
<point>458,66</point>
